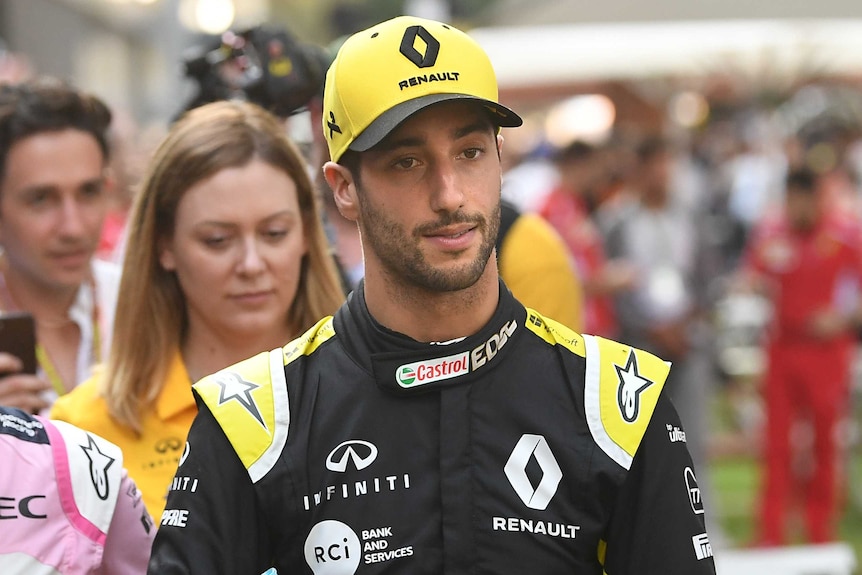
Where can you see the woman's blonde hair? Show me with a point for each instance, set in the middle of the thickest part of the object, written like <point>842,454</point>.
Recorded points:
<point>151,319</point>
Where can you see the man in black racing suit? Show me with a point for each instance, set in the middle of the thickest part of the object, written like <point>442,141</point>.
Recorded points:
<point>433,425</point>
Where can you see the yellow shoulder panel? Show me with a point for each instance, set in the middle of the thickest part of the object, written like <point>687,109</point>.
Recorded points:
<point>240,397</point>
<point>622,387</point>
<point>250,400</point>
<point>555,333</point>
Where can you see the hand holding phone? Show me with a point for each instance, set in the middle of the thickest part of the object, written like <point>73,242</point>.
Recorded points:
<point>18,338</point>
<point>19,386</point>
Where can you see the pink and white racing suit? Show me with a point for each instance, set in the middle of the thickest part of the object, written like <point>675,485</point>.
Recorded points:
<point>67,505</point>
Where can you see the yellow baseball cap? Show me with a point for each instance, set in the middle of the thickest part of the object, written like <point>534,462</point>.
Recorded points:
<point>390,71</point>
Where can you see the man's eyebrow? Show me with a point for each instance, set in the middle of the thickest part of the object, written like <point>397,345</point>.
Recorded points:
<point>37,189</point>
<point>478,126</point>
<point>412,141</point>
<point>92,183</point>
<point>387,145</point>
<point>50,186</point>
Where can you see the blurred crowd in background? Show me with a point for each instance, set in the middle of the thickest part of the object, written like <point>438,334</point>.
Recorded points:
<point>659,186</point>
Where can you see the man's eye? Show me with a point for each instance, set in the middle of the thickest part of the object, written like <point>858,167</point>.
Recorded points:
<point>472,153</point>
<point>92,191</point>
<point>38,198</point>
<point>406,163</point>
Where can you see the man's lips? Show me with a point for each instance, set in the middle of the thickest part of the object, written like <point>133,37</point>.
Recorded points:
<point>453,238</point>
<point>451,231</point>
<point>72,257</point>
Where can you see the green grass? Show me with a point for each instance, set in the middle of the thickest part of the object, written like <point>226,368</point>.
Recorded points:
<point>735,482</point>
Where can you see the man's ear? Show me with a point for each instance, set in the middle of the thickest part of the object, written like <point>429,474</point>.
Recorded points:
<point>343,186</point>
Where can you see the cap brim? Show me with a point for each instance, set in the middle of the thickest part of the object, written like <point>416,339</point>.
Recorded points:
<point>501,116</point>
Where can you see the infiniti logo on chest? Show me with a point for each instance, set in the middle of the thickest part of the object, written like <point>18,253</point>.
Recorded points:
<point>349,455</point>
<point>361,453</point>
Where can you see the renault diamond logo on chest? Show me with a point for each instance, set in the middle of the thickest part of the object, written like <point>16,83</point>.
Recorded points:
<point>361,453</point>
<point>528,447</point>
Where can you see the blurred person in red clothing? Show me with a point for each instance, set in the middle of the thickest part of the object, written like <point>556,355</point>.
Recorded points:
<point>565,208</point>
<point>808,259</point>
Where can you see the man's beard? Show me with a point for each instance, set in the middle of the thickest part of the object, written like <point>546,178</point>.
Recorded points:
<point>401,256</point>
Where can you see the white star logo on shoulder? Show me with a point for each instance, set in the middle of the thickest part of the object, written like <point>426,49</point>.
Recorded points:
<point>631,385</point>
<point>99,464</point>
<point>234,387</point>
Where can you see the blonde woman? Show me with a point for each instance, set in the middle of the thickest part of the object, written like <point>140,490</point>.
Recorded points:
<point>226,257</point>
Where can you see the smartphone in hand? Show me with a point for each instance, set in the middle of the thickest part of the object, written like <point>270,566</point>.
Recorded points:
<point>18,337</point>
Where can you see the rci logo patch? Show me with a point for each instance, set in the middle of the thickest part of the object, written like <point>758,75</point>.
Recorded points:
<point>332,548</point>
<point>528,447</point>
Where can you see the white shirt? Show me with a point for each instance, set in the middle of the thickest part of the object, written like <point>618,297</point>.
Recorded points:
<point>106,277</point>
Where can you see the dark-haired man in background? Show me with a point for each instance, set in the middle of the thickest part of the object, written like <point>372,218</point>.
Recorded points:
<point>53,155</point>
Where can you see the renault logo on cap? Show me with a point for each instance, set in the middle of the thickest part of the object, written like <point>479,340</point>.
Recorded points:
<point>361,453</point>
<point>408,47</point>
<point>528,447</point>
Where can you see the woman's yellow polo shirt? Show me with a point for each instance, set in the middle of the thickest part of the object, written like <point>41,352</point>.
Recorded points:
<point>151,458</point>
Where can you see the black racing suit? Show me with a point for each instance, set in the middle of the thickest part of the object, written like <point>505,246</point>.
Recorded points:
<point>525,448</point>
